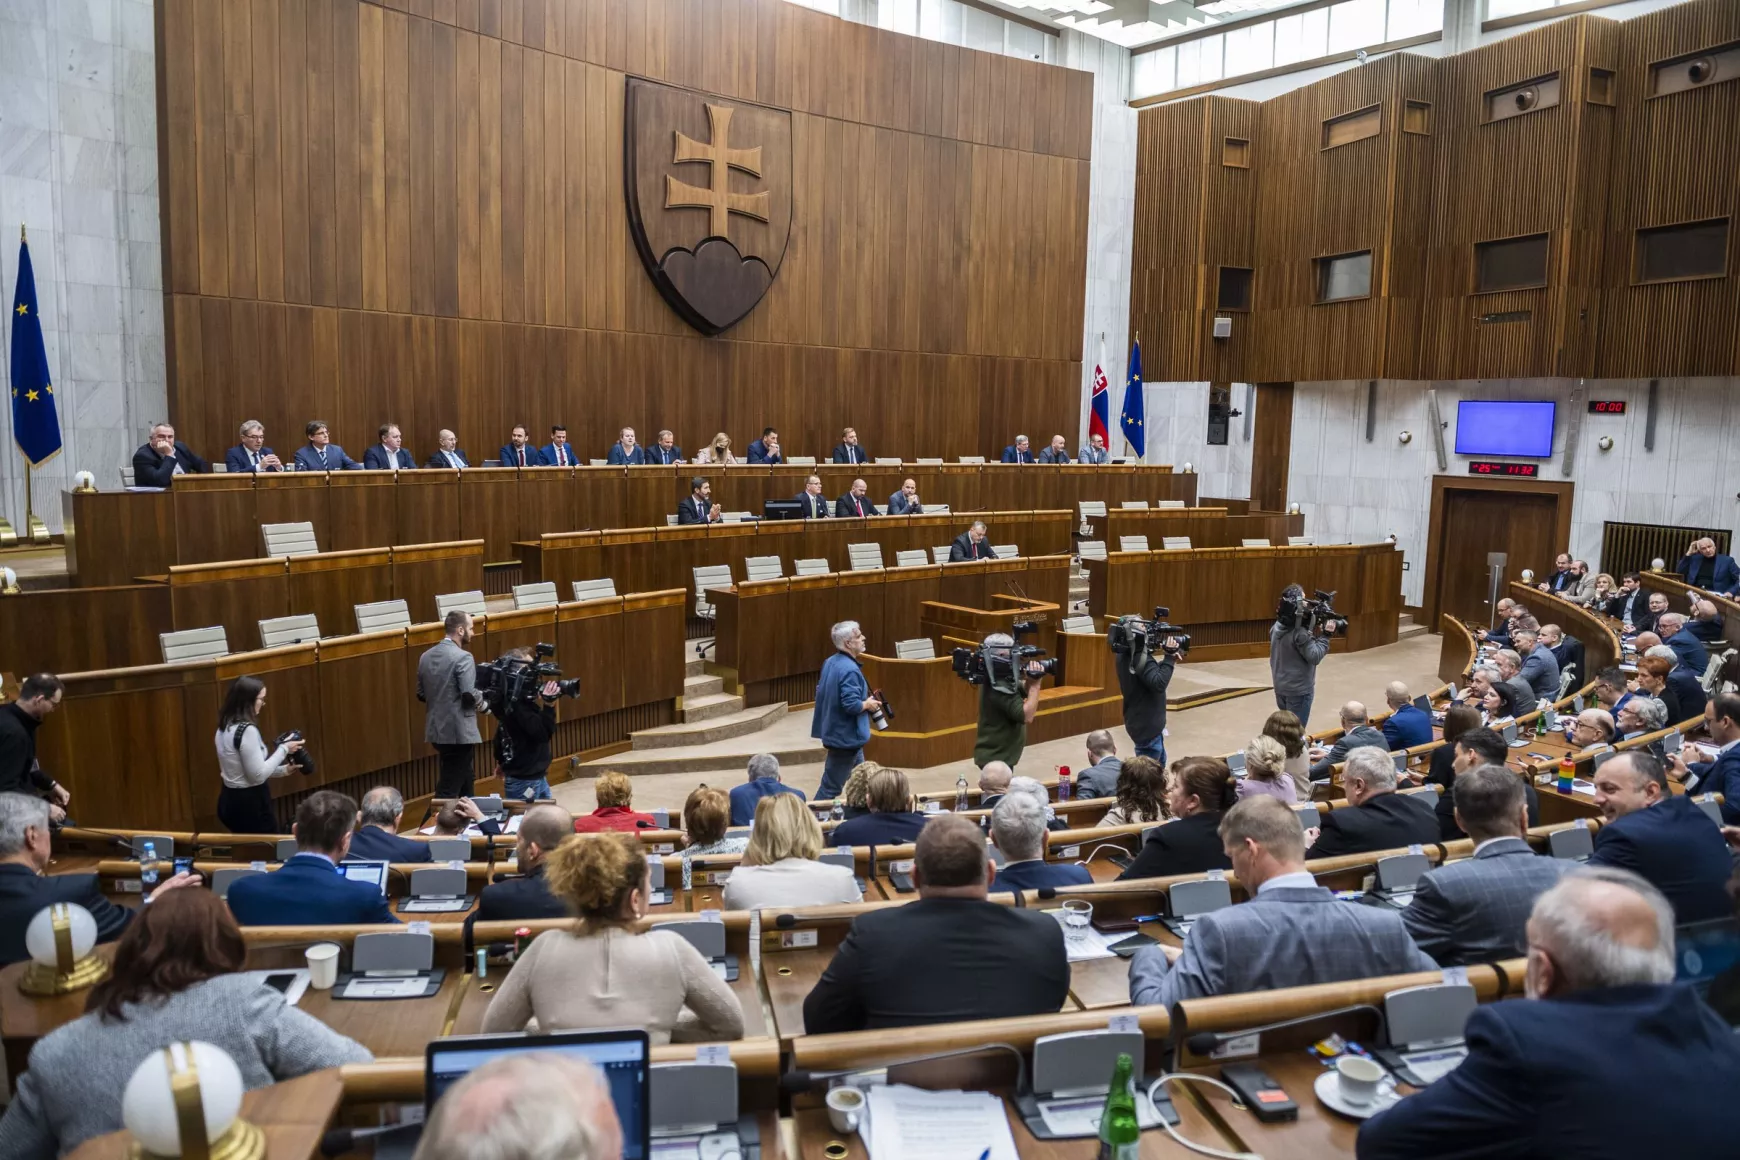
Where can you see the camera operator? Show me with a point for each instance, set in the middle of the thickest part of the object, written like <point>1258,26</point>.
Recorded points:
<point>447,683</point>
<point>1298,642</point>
<point>20,772</point>
<point>244,803</point>
<point>1142,678</point>
<point>1005,713</point>
<point>522,743</point>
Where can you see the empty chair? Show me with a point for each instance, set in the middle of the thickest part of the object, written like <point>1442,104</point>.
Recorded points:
<point>1078,624</point>
<point>280,630</point>
<point>711,576</point>
<point>219,468</point>
<point>1133,505</point>
<point>449,849</point>
<point>193,644</point>
<point>800,460</point>
<point>540,595</point>
<point>971,459</point>
<point>289,539</point>
<point>1091,509</point>
<point>670,521</point>
<point>864,556</point>
<point>1132,543</point>
<point>1005,551</point>
<point>471,602</point>
<point>887,462</point>
<point>1254,544</point>
<point>127,475</point>
<point>910,558</point>
<point>733,517</point>
<point>940,554</point>
<point>928,462</point>
<point>284,850</point>
<point>382,616</point>
<point>602,588</point>
<point>1300,541</point>
<point>763,568</point>
<point>1573,845</point>
<point>812,567</point>
<point>225,875</point>
<point>936,509</point>
<point>1174,543</point>
<point>1095,549</point>
<point>1170,503</point>
<point>1567,678</point>
<point>598,463</point>
<point>492,463</point>
<point>920,649</point>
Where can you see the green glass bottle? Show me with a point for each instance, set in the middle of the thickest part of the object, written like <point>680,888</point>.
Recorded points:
<point>1120,1133</point>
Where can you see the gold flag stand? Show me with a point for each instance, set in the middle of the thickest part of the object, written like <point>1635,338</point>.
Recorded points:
<point>34,527</point>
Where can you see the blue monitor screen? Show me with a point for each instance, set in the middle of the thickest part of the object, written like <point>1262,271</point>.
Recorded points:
<point>1491,427</point>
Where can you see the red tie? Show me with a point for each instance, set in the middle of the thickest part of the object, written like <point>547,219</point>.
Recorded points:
<point>522,454</point>
<point>859,505</point>
<point>561,456</point>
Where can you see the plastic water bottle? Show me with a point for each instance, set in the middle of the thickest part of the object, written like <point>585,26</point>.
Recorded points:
<point>838,813</point>
<point>961,794</point>
<point>1063,783</point>
<point>148,867</point>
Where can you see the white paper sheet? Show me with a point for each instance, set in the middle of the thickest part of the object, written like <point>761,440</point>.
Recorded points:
<point>908,1123</point>
<point>1433,1066</point>
<point>1092,945</point>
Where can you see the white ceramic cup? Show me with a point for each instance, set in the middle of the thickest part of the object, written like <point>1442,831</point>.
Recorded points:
<point>323,966</point>
<point>1078,915</point>
<point>1359,1078</point>
<point>845,1108</point>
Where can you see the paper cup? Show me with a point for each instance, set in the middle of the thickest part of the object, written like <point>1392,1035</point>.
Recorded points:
<point>323,966</point>
<point>845,1108</point>
<point>1359,1078</point>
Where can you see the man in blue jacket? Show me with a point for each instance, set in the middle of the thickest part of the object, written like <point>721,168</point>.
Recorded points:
<point>766,448</point>
<point>1665,837</point>
<point>320,453</point>
<point>1018,827</point>
<point>843,705</point>
<point>309,889</point>
<point>389,454</point>
<point>1721,775</point>
<point>1021,451</point>
<point>252,454</point>
<point>557,452</point>
<point>377,833</point>
<point>518,451</point>
<point>763,782</point>
<point>1689,650</point>
<point>1407,725</point>
<point>1543,1073</point>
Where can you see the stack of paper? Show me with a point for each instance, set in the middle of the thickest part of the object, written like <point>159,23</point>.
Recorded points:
<point>908,1123</point>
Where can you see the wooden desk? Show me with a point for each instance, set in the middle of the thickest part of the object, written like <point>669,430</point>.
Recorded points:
<point>293,1115</point>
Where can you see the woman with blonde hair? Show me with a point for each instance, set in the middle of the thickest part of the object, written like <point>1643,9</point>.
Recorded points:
<point>855,794</point>
<point>1284,726</point>
<point>780,867</point>
<point>1141,793</point>
<point>718,451</point>
<point>1265,771</point>
<point>1605,589</point>
<point>606,970</point>
<point>706,818</point>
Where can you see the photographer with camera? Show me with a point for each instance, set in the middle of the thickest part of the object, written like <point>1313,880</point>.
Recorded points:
<point>1009,678</point>
<point>526,710</point>
<point>244,803</point>
<point>844,704</point>
<point>1298,642</point>
<point>1143,677</point>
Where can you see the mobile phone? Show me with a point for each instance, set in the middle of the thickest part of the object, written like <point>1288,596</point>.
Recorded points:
<point>281,981</point>
<point>1124,948</point>
<point>184,865</point>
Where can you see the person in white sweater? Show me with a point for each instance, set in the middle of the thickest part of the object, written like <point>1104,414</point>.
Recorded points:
<point>245,802</point>
<point>780,868</point>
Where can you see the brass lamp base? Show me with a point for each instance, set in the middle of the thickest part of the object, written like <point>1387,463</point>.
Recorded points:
<point>38,530</point>
<point>8,537</point>
<point>243,1141</point>
<point>42,980</point>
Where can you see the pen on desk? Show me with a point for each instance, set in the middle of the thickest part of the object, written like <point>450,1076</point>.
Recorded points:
<point>985,1155</point>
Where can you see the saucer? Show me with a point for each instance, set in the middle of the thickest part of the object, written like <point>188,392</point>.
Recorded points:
<point>1328,1089</point>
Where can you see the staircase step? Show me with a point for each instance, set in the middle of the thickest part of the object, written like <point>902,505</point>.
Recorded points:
<point>695,666</point>
<point>710,707</point>
<point>701,685</point>
<point>652,761</point>
<point>1405,619</point>
<point>1405,631</point>
<point>738,724</point>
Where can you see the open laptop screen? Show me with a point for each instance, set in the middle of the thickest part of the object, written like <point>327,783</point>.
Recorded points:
<point>624,1056</point>
<point>374,873</point>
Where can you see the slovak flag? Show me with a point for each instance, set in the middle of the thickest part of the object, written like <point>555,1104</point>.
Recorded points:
<point>1100,410</point>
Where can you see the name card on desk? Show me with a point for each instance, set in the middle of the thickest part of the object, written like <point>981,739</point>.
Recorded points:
<point>795,939</point>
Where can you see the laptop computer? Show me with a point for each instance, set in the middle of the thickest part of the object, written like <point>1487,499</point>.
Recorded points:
<point>372,872</point>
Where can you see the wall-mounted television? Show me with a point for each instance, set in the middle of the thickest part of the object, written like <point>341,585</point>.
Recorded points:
<point>1502,427</point>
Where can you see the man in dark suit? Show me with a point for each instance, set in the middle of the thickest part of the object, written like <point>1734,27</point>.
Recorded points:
<point>1100,778</point>
<point>1475,748</point>
<point>815,504</point>
<point>162,458</point>
<point>1021,451</point>
<point>699,508</point>
<point>849,449</point>
<point>377,832</point>
<point>665,451</point>
<point>1722,773</point>
<point>1356,731</point>
<point>320,453</point>
<point>557,452</point>
<point>994,778</point>
<point>1692,652</point>
<point>1705,622</point>
<point>1018,827</point>
<point>252,454</point>
<point>1407,725</point>
<point>518,450</point>
<point>1543,1074</point>
<point>766,448</point>
<point>1630,603</point>
<point>25,889</point>
<point>972,544</point>
<point>1663,836</point>
<point>905,501</point>
<point>1567,651</point>
<point>1561,577</point>
<point>981,960</point>
<point>1057,452</point>
<point>389,454</point>
<point>1708,570</point>
<point>1646,621</point>
<point>448,455</point>
<point>527,894</point>
<point>625,452</point>
<point>1474,910</point>
<point>1376,817</point>
<point>309,889</point>
<point>20,772</point>
<point>855,502</point>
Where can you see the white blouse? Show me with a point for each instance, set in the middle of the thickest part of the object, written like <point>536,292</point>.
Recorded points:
<point>249,765</point>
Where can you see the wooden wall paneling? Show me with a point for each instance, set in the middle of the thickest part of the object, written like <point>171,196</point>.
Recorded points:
<point>363,708</point>
<point>426,506</point>
<point>222,508</point>
<point>330,585</point>
<point>1272,449</point>
<point>421,572</point>
<point>292,702</point>
<point>95,737</point>
<point>489,508</point>
<point>657,674</point>
<point>364,508</point>
<point>237,595</point>
<point>294,497</point>
<point>1166,244</point>
<point>113,537</point>
<point>590,645</point>
<point>66,630</point>
<point>1228,238</point>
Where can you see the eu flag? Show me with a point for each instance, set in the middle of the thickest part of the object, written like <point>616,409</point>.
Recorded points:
<point>1134,405</point>
<point>35,426</point>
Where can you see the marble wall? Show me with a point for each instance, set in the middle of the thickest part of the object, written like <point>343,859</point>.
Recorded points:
<point>78,167</point>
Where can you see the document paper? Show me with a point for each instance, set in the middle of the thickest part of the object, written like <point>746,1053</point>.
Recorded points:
<point>908,1123</point>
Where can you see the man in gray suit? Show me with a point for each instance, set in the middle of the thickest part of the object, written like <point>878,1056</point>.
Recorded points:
<point>447,684</point>
<point>1477,909</point>
<point>1356,730</point>
<point>1292,932</point>
<point>1100,778</point>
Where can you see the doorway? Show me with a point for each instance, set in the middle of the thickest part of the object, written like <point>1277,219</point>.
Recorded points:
<point>1529,522</point>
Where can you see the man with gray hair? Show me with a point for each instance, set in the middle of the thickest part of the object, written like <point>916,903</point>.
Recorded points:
<point>972,544</point>
<point>1708,570</point>
<point>1356,732</point>
<point>1291,933</point>
<point>1473,910</point>
<point>25,890</point>
<point>1542,1075</point>
<point>1018,827</point>
<point>1376,816</point>
<point>1540,668</point>
<point>252,454</point>
<point>1031,788</point>
<point>377,830</point>
<point>763,782</point>
<point>1642,715</point>
<point>447,684</point>
<point>534,1105</point>
<point>1522,694</point>
<point>1020,451</point>
<point>841,720</point>
<point>1688,649</point>
<point>1005,713</point>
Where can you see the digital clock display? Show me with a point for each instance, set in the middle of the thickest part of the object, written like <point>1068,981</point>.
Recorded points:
<point>1607,406</point>
<point>1492,467</point>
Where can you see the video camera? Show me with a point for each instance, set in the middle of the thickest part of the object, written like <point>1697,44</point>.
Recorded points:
<point>985,665</point>
<point>509,680</point>
<point>1133,635</point>
<point>1312,613</point>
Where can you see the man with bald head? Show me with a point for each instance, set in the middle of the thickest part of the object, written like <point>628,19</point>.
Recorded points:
<point>980,959</point>
<point>530,1105</point>
<point>1665,837</point>
<point>1355,732</point>
<point>905,501</point>
<point>993,783</point>
<point>448,453</point>
<point>1688,649</point>
<point>526,894</point>
<point>855,502</point>
<point>1603,1022</point>
<point>1594,727</point>
<point>1500,635</point>
<point>1706,621</point>
<point>1708,570</point>
<point>1407,725</point>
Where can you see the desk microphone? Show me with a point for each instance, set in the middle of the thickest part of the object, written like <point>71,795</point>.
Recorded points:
<point>799,1080</point>
<point>342,1141</point>
<point>1204,1043</point>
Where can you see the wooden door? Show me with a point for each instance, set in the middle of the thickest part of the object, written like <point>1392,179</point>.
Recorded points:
<point>1523,525</point>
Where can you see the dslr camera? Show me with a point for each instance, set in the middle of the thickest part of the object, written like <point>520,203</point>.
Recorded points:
<point>509,680</point>
<point>1003,666</point>
<point>1313,613</point>
<point>1139,637</point>
<point>301,759</point>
